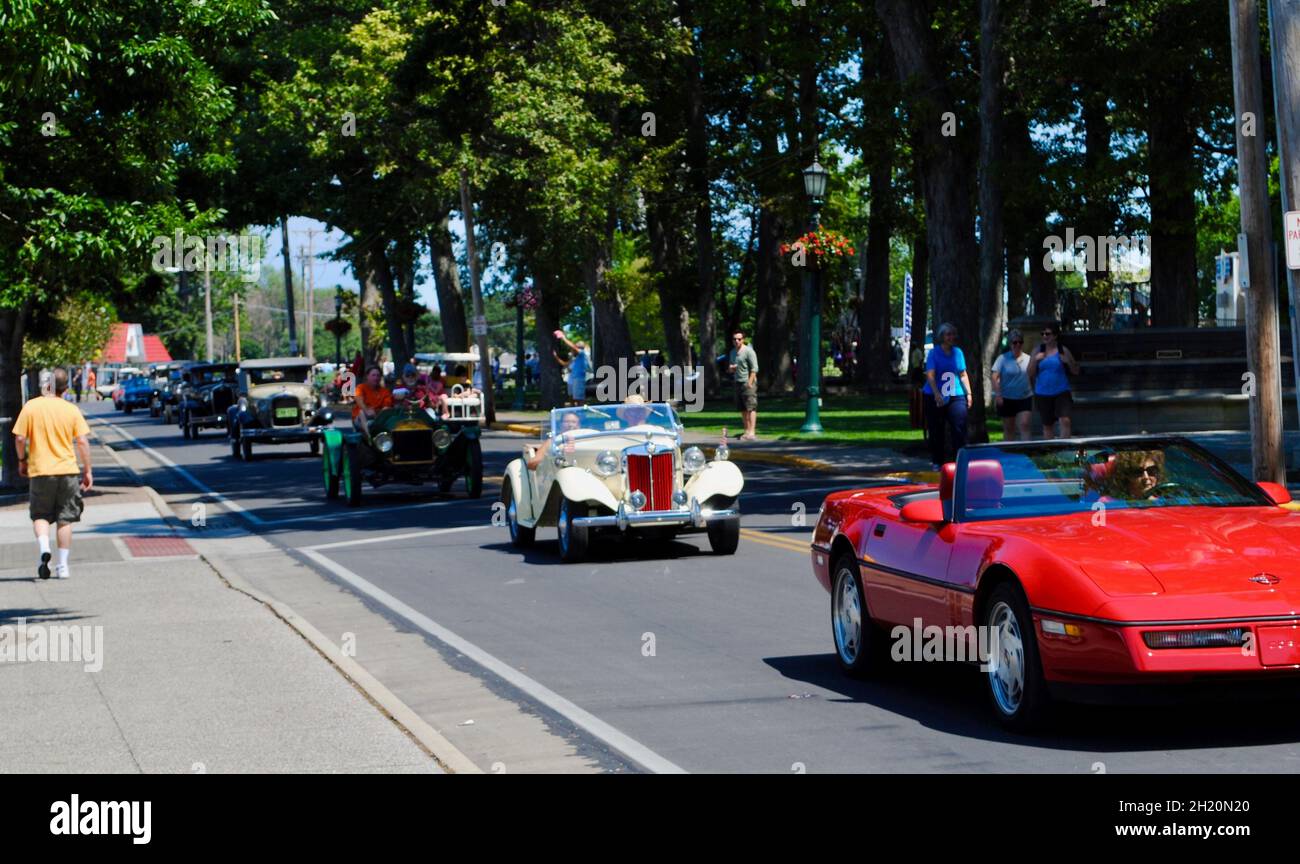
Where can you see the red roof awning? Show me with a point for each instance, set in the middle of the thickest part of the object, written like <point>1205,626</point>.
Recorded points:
<point>114,350</point>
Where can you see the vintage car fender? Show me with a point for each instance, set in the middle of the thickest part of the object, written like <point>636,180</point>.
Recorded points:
<point>516,483</point>
<point>579,484</point>
<point>717,478</point>
<point>333,439</point>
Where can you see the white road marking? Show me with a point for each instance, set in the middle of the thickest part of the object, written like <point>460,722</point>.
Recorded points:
<point>588,722</point>
<point>193,481</point>
<point>585,720</point>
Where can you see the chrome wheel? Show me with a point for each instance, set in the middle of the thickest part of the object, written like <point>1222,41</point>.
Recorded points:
<point>846,616</point>
<point>1006,665</point>
<point>512,515</point>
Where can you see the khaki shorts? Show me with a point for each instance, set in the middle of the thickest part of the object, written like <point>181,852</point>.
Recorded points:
<point>746,396</point>
<point>56,498</point>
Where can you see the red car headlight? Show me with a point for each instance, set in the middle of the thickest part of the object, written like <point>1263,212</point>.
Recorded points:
<point>1230,637</point>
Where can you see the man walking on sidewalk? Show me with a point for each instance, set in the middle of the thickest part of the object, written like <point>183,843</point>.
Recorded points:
<point>743,363</point>
<point>49,434</point>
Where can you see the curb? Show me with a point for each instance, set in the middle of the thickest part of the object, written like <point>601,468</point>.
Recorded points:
<point>446,754</point>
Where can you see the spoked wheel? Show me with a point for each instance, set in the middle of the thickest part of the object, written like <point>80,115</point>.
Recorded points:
<point>474,469</point>
<point>331,479</point>
<point>351,475</point>
<point>573,538</point>
<point>856,640</point>
<point>1014,670</point>
<point>519,535</point>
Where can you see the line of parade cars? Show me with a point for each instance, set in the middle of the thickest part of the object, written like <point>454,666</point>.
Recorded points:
<point>606,469</point>
<point>275,401</point>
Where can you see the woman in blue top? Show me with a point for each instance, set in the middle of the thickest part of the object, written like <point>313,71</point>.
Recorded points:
<point>1047,372</point>
<point>948,387</point>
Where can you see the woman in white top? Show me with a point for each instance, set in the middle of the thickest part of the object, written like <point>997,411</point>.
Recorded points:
<point>1011,392</point>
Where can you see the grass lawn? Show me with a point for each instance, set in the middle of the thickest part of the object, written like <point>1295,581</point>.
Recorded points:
<point>868,420</point>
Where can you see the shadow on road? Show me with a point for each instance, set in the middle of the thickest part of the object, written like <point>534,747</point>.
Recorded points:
<point>950,698</point>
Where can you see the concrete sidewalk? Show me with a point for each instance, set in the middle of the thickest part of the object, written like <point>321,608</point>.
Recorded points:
<point>192,676</point>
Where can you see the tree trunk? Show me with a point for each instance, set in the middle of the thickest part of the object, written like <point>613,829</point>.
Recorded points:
<point>946,172</point>
<point>1174,177</point>
<point>992,254</point>
<point>383,276</point>
<point>372,343</point>
<point>446,281</point>
<point>697,158</point>
<point>874,348</point>
<point>551,384</point>
<point>13,326</point>
<point>920,291</point>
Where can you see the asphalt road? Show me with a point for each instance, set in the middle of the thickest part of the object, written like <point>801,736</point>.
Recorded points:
<point>681,658</point>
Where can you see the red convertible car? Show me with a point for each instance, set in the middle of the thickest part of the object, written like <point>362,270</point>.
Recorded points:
<point>1082,565</point>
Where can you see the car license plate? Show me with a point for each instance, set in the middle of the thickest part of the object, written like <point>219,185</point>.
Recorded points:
<point>286,412</point>
<point>1279,646</point>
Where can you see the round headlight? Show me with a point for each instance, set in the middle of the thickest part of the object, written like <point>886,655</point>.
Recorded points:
<point>679,498</point>
<point>607,464</point>
<point>384,442</point>
<point>637,499</point>
<point>693,460</point>
<point>243,403</point>
<point>722,453</point>
<point>441,438</point>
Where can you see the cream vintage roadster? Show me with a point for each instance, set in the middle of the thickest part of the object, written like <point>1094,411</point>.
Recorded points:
<point>620,469</point>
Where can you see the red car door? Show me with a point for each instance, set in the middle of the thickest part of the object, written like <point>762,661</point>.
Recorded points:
<point>905,571</point>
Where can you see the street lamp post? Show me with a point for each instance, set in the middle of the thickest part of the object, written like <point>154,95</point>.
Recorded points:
<point>338,325</point>
<point>814,186</point>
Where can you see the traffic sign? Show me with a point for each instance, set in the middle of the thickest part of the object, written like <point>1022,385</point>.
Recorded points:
<point>1291,223</point>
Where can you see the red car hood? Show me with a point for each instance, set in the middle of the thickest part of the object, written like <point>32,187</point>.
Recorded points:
<point>1181,553</point>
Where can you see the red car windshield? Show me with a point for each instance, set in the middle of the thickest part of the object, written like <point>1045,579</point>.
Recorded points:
<point>1016,481</point>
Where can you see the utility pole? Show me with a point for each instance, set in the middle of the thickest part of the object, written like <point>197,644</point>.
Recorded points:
<point>308,261</point>
<point>480,321</point>
<point>207,300</point>
<point>288,284</point>
<point>238,355</point>
<point>1268,462</point>
<point>1284,31</point>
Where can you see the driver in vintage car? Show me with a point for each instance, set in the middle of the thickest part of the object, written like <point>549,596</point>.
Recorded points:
<point>371,397</point>
<point>570,423</point>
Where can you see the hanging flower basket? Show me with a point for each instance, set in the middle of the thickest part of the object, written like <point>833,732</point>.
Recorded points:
<point>823,249</point>
<point>528,298</point>
<point>338,326</point>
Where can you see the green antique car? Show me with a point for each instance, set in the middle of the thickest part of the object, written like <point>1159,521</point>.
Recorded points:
<point>404,444</point>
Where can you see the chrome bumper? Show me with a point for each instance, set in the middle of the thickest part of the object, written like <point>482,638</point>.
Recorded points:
<point>282,433</point>
<point>624,518</point>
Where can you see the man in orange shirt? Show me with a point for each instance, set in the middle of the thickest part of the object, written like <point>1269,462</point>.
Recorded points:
<point>49,434</point>
<point>371,398</point>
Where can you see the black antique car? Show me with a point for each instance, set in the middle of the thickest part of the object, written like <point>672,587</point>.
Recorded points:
<point>277,403</point>
<point>162,377</point>
<point>207,392</point>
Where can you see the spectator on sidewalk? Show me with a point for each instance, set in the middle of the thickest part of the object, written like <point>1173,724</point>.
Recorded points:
<point>743,364</point>
<point>1011,394</point>
<point>578,364</point>
<point>948,392</point>
<point>78,381</point>
<point>49,434</point>
<point>1048,374</point>
<point>91,392</point>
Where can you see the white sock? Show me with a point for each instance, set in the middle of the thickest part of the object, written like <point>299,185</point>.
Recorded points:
<point>44,541</point>
<point>63,557</point>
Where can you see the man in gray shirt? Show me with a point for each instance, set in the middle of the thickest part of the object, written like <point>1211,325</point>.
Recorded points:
<point>744,365</point>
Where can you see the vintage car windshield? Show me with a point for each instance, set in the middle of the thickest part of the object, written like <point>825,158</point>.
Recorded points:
<point>613,417</point>
<point>290,375</point>
<point>208,376</point>
<point>1019,481</point>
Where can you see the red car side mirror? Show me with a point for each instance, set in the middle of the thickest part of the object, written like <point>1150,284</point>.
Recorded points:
<point>1276,491</point>
<point>928,511</point>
